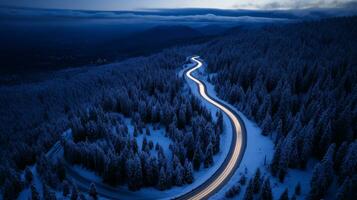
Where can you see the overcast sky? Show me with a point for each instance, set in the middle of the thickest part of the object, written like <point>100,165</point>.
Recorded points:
<point>145,4</point>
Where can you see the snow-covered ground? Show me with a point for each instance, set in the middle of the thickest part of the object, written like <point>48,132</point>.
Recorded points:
<point>158,136</point>
<point>258,154</point>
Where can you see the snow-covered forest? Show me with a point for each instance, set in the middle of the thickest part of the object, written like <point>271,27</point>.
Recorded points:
<point>297,81</point>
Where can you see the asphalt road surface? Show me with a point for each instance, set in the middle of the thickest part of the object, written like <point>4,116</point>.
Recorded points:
<point>237,148</point>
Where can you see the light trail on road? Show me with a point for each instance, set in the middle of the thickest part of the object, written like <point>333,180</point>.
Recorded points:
<point>238,150</point>
<point>213,184</point>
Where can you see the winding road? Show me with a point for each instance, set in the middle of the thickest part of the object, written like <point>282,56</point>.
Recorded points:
<point>212,184</point>
<point>237,148</point>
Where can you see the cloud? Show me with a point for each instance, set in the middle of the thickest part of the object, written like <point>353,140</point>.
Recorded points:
<point>135,17</point>
<point>296,4</point>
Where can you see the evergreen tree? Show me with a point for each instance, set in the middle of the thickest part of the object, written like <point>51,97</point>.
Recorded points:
<point>233,191</point>
<point>208,156</point>
<point>243,179</point>
<point>134,170</point>
<point>135,133</point>
<point>93,191</point>
<point>12,185</point>
<point>298,189</point>
<point>179,175</point>
<point>188,172</point>
<point>266,193</point>
<point>347,189</point>
<point>34,193</point>
<point>147,131</point>
<point>189,142</point>
<point>74,194</point>
<point>340,154</point>
<point>349,164</point>
<point>162,183</point>
<point>81,196</point>
<point>219,123</point>
<point>151,145</point>
<point>267,125</point>
<point>169,174</point>
<point>157,146</point>
<point>284,195</point>
<point>249,192</point>
<point>274,166</point>
<point>197,157</point>
<point>322,175</point>
<point>28,175</point>
<point>256,181</point>
<point>65,188</point>
<point>283,163</point>
<point>145,142</point>
<point>48,194</point>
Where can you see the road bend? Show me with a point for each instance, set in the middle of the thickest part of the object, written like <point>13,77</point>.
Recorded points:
<point>237,147</point>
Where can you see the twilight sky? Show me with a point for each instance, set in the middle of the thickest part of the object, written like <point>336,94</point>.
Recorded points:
<point>146,4</point>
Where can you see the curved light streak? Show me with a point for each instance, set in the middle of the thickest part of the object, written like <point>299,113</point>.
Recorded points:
<point>230,167</point>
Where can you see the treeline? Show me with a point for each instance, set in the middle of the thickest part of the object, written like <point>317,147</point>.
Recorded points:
<point>259,187</point>
<point>102,142</point>
<point>298,82</point>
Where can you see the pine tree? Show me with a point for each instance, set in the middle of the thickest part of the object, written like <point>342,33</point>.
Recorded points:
<point>74,194</point>
<point>283,164</point>
<point>266,193</point>
<point>81,196</point>
<point>298,189</point>
<point>208,156</point>
<point>169,174</point>
<point>151,145</point>
<point>34,193</point>
<point>93,191</point>
<point>189,142</point>
<point>135,177</point>
<point>156,170</point>
<point>256,181</point>
<point>197,158</point>
<point>322,175</point>
<point>12,186</point>
<point>219,123</point>
<point>346,190</point>
<point>145,142</point>
<point>188,172</point>
<point>157,146</point>
<point>179,175</point>
<point>267,125</point>
<point>274,166</point>
<point>243,179</point>
<point>65,188</point>
<point>162,184</point>
<point>284,195</point>
<point>340,154</point>
<point>135,133</point>
<point>147,131</point>
<point>233,191</point>
<point>349,164</point>
<point>217,143</point>
<point>48,194</point>
<point>249,192</point>
<point>28,175</point>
